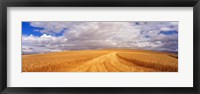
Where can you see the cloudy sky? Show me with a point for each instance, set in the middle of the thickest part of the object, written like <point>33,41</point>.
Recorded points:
<point>47,36</point>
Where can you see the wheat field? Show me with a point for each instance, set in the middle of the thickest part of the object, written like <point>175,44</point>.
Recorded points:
<point>108,60</point>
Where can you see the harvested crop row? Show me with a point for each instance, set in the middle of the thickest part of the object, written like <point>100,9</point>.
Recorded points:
<point>156,61</point>
<point>60,61</point>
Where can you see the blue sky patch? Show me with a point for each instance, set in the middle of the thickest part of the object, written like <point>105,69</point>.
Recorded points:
<point>168,32</point>
<point>28,30</point>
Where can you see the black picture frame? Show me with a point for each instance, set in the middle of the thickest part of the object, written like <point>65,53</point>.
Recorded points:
<point>98,3</point>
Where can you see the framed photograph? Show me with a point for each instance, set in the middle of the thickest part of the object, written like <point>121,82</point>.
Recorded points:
<point>91,46</point>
